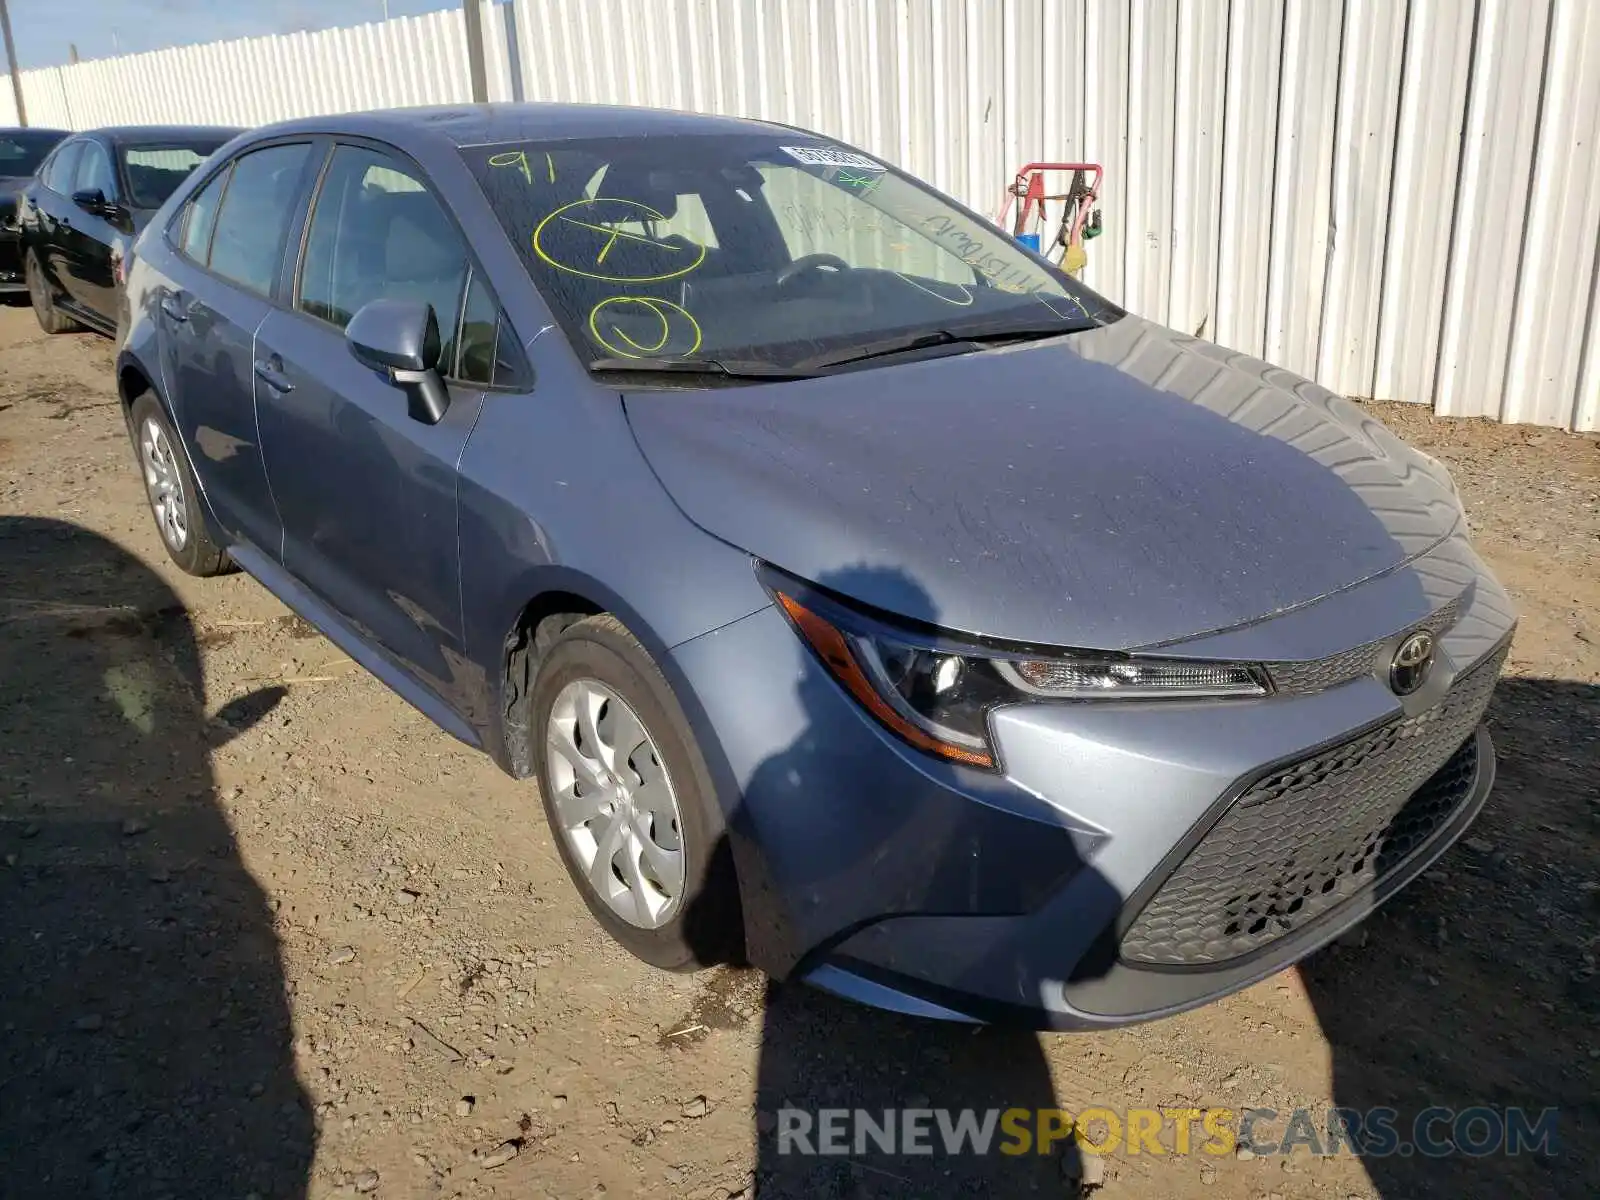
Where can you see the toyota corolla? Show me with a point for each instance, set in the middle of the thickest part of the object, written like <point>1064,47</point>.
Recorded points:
<point>863,595</point>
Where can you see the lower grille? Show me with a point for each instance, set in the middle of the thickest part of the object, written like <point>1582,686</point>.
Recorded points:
<point>1299,841</point>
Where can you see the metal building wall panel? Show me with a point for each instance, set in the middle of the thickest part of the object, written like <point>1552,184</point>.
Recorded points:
<point>1105,108</point>
<point>1431,117</point>
<point>1363,161</point>
<point>1201,70</point>
<point>1496,168</point>
<point>1298,259</point>
<point>1249,160</point>
<point>1152,97</point>
<point>1555,288</point>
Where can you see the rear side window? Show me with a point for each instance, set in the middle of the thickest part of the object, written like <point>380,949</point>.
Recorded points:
<point>200,217</point>
<point>59,171</point>
<point>378,233</point>
<point>247,243</point>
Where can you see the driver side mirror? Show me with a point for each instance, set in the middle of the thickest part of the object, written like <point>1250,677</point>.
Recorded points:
<point>93,201</point>
<point>401,339</point>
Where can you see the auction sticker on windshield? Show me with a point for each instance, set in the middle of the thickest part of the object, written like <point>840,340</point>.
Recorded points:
<point>827,156</point>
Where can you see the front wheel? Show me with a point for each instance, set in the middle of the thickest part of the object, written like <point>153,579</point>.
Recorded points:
<point>174,500</point>
<point>629,799</point>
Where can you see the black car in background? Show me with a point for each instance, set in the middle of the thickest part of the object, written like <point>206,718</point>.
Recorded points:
<point>79,216</point>
<point>21,152</point>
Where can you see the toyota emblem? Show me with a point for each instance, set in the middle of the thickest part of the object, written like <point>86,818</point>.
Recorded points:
<point>1412,662</point>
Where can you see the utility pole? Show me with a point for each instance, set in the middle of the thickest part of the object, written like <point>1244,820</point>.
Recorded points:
<point>11,65</point>
<point>475,64</point>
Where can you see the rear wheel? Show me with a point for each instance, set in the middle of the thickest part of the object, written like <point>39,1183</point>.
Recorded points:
<point>43,297</point>
<point>174,500</point>
<point>628,797</point>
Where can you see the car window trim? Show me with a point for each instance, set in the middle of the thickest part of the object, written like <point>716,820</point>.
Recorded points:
<point>310,141</point>
<point>107,156</point>
<point>70,144</point>
<point>474,268</point>
<point>187,214</point>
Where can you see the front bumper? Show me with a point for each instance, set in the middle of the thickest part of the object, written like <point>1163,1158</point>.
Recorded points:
<point>1133,860</point>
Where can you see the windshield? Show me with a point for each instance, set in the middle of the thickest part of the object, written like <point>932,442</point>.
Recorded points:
<point>756,249</point>
<point>154,172</point>
<point>22,152</point>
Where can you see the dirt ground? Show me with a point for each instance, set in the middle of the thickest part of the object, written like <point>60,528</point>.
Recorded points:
<point>265,931</point>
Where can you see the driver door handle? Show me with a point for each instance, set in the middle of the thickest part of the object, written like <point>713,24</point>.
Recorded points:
<point>270,372</point>
<point>173,309</point>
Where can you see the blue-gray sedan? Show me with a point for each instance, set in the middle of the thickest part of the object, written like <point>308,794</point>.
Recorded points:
<point>865,596</point>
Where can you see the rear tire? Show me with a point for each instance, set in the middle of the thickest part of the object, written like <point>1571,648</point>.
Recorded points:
<point>630,801</point>
<point>175,502</point>
<point>42,297</point>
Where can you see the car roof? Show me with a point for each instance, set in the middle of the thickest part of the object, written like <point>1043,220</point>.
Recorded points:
<point>44,129</point>
<point>125,135</point>
<point>479,124</point>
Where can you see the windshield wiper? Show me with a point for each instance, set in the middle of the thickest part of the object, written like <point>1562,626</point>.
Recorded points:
<point>929,338</point>
<point>732,368</point>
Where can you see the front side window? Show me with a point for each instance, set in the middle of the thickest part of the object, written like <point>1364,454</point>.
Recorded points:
<point>154,172</point>
<point>247,243</point>
<point>378,233</point>
<point>62,168</point>
<point>22,150</point>
<point>771,248</point>
<point>201,217</point>
<point>94,172</point>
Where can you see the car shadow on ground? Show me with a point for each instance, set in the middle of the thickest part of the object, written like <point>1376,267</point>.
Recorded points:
<point>1475,988</point>
<point>145,1044</point>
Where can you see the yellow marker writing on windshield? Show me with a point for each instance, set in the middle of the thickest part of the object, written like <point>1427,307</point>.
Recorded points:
<point>664,260</point>
<point>514,158</point>
<point>673,318</point>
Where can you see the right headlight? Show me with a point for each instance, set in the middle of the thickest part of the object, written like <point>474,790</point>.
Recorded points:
<point>936,690</point>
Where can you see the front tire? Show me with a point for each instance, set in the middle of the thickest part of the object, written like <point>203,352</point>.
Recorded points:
<point>42,296</point>
<point>174,499</point>
<point>629,799</point>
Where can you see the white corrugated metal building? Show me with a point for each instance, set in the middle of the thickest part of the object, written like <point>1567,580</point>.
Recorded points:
<point>1400,198</point>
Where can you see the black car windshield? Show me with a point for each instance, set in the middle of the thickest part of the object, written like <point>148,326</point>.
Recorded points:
<point>759,249</point>
<point>154,172</point>
<point>21,152</point>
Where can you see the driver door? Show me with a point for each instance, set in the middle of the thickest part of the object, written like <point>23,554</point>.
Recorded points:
<point>367,493</point>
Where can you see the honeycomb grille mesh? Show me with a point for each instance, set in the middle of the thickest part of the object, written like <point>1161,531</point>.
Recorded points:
<point>1297,678</point>
<point>1306,837</point>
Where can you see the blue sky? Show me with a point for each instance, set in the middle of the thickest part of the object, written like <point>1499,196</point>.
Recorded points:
<point>44,29</point>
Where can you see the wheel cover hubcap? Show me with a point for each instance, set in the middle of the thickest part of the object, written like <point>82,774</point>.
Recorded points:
<point>615,804</point>
<point>162,482</point>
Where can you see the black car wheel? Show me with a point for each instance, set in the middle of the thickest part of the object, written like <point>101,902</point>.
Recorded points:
<point>629,799</point>
<point>51,319</point>
<point>174,501</point>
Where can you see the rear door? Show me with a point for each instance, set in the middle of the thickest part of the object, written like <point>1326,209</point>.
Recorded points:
<point>367,494</point>
<point>230,242</point>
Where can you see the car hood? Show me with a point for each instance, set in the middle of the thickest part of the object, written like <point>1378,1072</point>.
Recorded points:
<point>1122,487</point>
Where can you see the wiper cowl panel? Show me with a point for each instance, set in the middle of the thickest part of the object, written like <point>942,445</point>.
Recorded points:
<point>734,368</point>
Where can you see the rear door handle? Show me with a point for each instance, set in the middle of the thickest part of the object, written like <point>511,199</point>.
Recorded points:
<point>270,372</point>
<point>173,309</point>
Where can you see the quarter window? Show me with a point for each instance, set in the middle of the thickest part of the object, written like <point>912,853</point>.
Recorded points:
<point>378,233</point>
<point>201,217</point>
<point>247,244</point>
<point>480,331</point>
